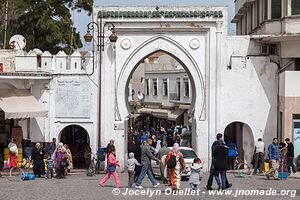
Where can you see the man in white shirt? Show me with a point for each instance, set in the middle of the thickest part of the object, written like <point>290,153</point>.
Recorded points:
<point>259,156</point>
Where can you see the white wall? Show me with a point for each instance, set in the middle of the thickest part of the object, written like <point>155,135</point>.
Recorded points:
<point>249,92</point>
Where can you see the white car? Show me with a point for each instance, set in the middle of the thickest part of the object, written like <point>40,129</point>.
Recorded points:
<point>188,155</point>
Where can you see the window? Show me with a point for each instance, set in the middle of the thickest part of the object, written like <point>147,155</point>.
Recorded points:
<point>295,7</point>
<point>186,88</point>
<point>165,87</point>
<point>147,86</point>
<point>178,88</point>
<point>276,9</point>
<point>154,81</point>
<point>257,13</point>
<point>273,49</point>
<point>297,64</point>
<point>265,6</point>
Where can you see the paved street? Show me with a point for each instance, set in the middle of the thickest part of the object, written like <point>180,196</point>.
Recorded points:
<point>79,186</point>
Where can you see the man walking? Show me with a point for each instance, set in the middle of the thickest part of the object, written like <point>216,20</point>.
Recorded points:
<point>162,152</point>
<point>259,156</point>
<point>273,157</point>
<point>146,165</point>
<point>290,156</point>
<point>221,165</point>
<point>212,168</point>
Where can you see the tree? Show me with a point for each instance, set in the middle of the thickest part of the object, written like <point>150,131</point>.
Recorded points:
<point>46,24</point>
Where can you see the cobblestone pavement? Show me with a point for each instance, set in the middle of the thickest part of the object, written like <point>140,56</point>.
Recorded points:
<point>79,186</point>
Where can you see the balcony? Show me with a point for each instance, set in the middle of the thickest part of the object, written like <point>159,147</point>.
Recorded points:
<point>241,7</point>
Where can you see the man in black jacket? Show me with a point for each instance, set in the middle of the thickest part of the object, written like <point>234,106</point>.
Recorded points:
<point>290,156</point>
<point>212,166</point>
<point>221,165</point>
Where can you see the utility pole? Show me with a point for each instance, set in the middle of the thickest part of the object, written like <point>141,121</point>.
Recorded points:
<point>5,24</point>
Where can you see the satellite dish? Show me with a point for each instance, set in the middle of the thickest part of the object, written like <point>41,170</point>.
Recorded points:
<point>140,95</point>
<point>17,42</point>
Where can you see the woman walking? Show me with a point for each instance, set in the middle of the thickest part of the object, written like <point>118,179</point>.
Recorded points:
<point>112,164</point>
<point>60,156</point>
<point>176,165</point>
<point>282,158</point>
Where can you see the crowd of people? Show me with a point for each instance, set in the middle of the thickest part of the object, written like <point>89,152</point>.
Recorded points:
<point>154,145</point>
<point>56,159</point>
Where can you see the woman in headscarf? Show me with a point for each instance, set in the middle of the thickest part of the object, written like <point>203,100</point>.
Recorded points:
<point>176,165</point>
<point>70,159</point>
<point>60,155</point>
<point>38,160</point>
<point>282,158</point>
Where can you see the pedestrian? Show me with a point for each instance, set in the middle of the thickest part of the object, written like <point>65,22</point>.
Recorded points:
<point>290,156</point>
<point>70,158</point>
<point>195,176</point>
<point>37,156</point>
<point>111,145</point>
<point>232,153</point>
<point>50,167</point>
<point>273,153</point>
<point>13,154</point>
<point>59,157</point>
<point>88,155</point>
<point>146,157</point>
<point>282,165</point>
<point>221,165</point>
<point>131,163</point>
<point>212,170</point>
<point>259,156</point>
<point>52,146</point>
<point>176,165</point>
<point>162,153</point>
<point>112,164</point>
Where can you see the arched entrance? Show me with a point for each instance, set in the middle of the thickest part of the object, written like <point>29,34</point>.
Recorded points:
<point>77,139</point>
<point>242,135</point>
<point>159,98</point>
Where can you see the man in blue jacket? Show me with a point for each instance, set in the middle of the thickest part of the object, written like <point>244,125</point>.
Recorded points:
<point>273,153</point>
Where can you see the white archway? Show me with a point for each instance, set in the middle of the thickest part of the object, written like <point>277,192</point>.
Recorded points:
<point>170,46</point>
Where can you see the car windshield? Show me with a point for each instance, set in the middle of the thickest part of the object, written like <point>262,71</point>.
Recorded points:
<point>188,153</point>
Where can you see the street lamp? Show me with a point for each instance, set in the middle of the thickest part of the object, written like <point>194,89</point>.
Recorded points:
<point>93,26</point>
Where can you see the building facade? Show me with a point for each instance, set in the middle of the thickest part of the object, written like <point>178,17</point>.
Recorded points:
<point>65,86</point>
<point>234,91</point>
<point>274,26</point>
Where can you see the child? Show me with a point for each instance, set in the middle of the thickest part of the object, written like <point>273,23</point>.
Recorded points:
<point>112,163</point>
<point>50,166</point>
<point>131,162</point>
<point>195,176</point>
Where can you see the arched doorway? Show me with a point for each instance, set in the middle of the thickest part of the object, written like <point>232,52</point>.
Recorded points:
<point>77,139</point>
<point>242,135</point>
<point>160,95</point>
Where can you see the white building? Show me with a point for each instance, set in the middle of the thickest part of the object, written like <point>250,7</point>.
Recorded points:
<point>234,90</point>
<point>165,88</point>
<point>62,88</point>
<point>273,25</point>
<point>234,84</point>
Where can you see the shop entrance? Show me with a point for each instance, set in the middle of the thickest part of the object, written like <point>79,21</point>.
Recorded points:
<point>78,141</point>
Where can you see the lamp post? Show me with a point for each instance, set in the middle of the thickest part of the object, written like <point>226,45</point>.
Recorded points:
<point>93,26</point>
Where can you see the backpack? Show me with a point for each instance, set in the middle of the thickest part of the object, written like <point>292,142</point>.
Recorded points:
<point>171,162</point>
<point>232,151</point>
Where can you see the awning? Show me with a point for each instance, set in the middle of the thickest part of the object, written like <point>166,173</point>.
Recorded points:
<point>20,104</point>
<point>175,114</point>
<point>162,113</point>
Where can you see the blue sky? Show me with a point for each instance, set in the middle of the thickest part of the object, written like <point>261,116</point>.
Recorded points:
<point>82,19</point>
